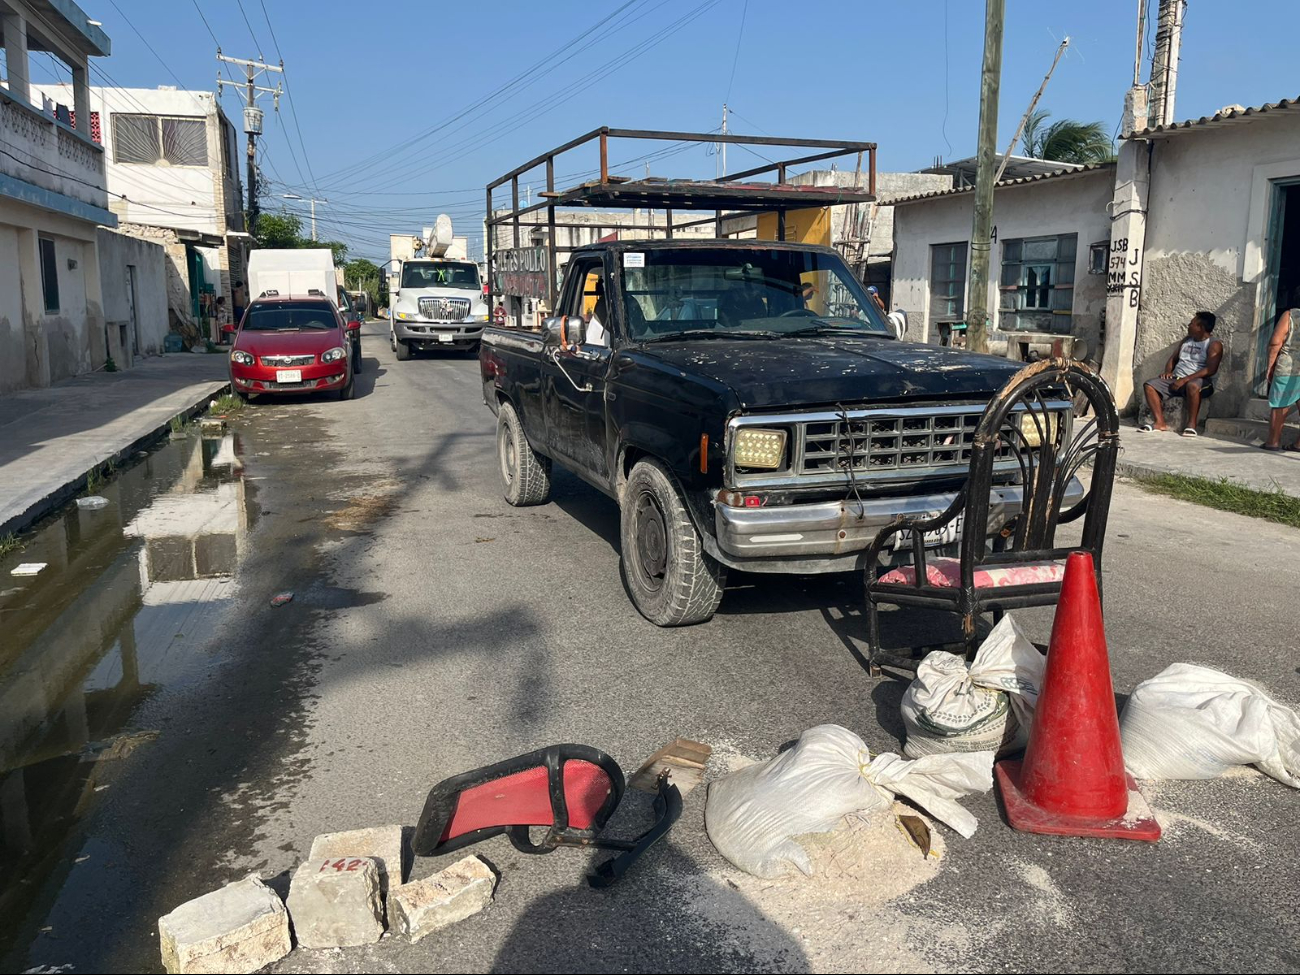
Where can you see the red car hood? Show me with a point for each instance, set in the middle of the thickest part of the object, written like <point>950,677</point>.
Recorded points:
<point>306,342</point>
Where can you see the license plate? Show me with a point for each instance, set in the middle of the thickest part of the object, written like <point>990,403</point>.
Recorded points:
<point>444,339</point>
<point>288,375</point>
<point>945,535</point>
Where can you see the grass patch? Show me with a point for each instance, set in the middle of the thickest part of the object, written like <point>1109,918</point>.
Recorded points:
<point>178,424</point>
<point>94,481</point>
<point>228,403</point>
<point>1226,495</point>
<point>9,543</point>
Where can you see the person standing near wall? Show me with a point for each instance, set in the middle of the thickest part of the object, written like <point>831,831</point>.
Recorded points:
<point>1283,376</point>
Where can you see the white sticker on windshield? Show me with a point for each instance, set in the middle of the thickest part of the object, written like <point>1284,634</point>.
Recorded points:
<point>634,259</point>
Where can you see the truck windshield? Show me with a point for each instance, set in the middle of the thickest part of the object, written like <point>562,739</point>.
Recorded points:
<point>289,316</point>
<point>737,292</point>
<point>440,275</point>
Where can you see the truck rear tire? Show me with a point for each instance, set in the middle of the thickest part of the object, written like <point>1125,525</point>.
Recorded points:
<point>525,475</point>
<point>672,580</point>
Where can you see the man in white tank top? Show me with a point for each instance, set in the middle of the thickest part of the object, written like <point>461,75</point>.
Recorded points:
<point>1189,374</point>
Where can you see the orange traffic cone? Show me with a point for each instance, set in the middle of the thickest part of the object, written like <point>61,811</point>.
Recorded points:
<point>1072,780</point>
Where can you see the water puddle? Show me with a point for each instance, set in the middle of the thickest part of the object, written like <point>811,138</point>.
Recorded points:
<point>122,608</point>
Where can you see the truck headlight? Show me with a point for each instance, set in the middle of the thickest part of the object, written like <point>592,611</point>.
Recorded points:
<point>241,358</point>
<point>403,315</point>
<point>334,354</point>
<point>758,447</point>
<point>1034,424</point>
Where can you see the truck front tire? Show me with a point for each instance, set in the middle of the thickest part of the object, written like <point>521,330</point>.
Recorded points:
<point>525,475</point>
<point>401,350</point>
<point>671,579</point>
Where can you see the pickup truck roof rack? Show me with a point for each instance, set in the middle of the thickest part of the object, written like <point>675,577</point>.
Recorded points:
<point>734,193</point>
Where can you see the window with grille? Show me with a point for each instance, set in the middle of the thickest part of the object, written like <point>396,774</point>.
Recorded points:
<point>948,282</point>
<point>154,139</point>
<point>1037,285</point>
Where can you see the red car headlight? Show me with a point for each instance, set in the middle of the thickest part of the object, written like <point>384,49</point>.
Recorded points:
<point>241,358</point>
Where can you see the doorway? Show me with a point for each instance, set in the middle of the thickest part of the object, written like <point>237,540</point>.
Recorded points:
<point>1282,274</point>
<point>133,319</point>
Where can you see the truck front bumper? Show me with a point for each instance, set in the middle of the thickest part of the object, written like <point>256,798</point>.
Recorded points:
<point>430,334</point>
<point>831,536</point>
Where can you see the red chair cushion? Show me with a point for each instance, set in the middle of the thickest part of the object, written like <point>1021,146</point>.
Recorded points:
<point>524,799</point>
<point>946,572</point>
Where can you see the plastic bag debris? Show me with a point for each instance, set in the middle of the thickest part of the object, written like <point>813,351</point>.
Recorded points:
<point>753,815</point>
<point>986,706</point>
<point>28,568</point>
<point>280,598</point>
<point>1191,722</point>
<point>94,502</point>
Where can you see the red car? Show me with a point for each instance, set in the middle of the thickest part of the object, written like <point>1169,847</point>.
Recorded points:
<point>293,345</point>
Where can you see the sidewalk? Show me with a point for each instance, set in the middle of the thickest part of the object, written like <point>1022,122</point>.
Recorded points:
<point>1145,454</point>
<point>50,438</point>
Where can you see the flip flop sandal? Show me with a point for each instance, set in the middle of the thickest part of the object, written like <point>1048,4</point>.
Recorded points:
<point>1294,448</point>
<point>1269,447</point>
<point>1146,428</point>
<point>1190,432</point>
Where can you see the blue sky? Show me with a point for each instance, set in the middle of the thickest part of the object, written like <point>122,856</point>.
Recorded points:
<point>367,78</point>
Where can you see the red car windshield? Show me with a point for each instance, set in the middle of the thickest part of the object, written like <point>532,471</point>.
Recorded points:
<point>290,316</point>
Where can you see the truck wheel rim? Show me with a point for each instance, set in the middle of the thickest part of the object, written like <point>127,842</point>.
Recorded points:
<point>509,454</point>
<point>651,541</point>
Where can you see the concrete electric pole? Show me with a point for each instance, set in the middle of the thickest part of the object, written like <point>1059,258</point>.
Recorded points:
<point>1164,65</point>
<point>981,246</point>
<point>252,119</point>
<point>313,201</point>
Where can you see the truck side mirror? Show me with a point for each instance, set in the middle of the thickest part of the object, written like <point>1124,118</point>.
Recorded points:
<point>575,331</point>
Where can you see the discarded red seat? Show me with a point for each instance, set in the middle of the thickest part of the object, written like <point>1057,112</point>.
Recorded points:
<point>947,572</point>
<point>572,790</point>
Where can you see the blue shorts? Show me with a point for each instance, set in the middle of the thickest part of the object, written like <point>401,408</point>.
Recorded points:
<point>1284,392</point>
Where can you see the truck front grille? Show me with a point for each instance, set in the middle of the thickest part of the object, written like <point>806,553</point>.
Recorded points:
<point>444,309</point>
<point>888,443</point>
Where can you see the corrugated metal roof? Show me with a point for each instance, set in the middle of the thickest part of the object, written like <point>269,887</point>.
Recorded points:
<point>1073,170</point>
<point>1233,113</point>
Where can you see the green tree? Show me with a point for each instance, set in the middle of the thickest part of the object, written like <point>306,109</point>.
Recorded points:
<point>281,230</point>
<point>1066,140</point>
<point>363,275</point>
<point>339,248</point>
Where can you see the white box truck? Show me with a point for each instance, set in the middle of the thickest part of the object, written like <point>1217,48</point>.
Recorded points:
<point>297,272</point>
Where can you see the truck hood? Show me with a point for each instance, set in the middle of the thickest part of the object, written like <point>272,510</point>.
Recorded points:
<point>826,370</point>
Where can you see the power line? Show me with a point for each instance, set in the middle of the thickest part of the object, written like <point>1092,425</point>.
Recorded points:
<point>288,91</point>
<point>736,60</point>
<point>256,43</point>
<point>205,23</point>
<point>147,44</point>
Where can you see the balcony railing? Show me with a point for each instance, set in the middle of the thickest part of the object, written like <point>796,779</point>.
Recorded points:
<point>49,154</point>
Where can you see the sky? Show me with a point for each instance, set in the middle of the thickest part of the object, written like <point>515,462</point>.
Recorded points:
<point>406,109</point>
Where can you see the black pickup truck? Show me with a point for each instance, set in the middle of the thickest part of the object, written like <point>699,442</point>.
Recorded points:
<point>746,404</point>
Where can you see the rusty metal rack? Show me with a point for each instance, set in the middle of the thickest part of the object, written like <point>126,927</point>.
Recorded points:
<point>731,194</point>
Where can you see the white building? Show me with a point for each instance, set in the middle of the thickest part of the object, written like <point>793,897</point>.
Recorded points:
<point>1197,215</point>
<point>1048,279</point>
<point>52,201</point>
<point>172,163</point>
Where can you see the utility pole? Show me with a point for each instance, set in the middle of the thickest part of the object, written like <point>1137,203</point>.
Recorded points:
<point>724,145</point>
<point>313,201</point>
<point>1164,65</point>
<point>252,119</point>
<point>1033,103</point>
<point>982,227</point>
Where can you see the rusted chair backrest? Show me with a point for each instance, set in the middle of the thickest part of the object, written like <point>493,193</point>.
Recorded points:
<point>1028,430</point>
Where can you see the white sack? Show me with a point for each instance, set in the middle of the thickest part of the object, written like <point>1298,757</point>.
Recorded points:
<point>1191,722</point>
<point>753,815</point>
<point>986,706</point>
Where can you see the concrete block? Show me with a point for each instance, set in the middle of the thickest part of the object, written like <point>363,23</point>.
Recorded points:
<point>336,903</point>
<point>242,927</point>
<point>425,906</point>
<point>384,843</point>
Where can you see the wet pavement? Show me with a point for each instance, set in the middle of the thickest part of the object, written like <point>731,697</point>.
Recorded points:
<point>434,629</point>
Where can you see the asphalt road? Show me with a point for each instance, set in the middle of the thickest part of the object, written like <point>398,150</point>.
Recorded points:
<point>436,629</point>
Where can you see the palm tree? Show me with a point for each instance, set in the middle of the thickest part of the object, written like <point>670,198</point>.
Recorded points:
<point>1066,140</point>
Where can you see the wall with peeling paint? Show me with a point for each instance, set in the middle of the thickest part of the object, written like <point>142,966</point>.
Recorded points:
<point>1063,205</point>
<point>117,253</point>
<point>1210,193</point>
<point>39,347</point>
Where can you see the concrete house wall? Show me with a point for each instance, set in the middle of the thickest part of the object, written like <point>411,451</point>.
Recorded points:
<point>118,255</point>
<point>1073,203</point>
<point>1210,199</point>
